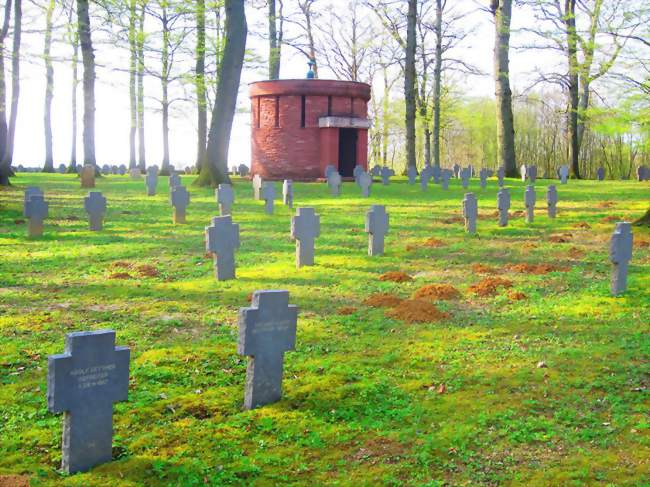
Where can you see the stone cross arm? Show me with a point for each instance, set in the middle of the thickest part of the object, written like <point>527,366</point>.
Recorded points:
<point>222,236</point>
<point>305,225</point>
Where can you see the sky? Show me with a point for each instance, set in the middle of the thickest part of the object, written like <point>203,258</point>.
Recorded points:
<point>112,114</point>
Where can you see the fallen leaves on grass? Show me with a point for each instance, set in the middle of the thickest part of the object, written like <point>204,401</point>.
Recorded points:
<point>535,269</point>
<point>20,221</point>
<point>395,276</point>
<point>528,246</point>
<point>430,243</point>
<point>483,269</point>
<point>516,296</point>
<point>437,291</point>
<point>416,311</point>
<point>120,275</point>
<point>382,300</point>
<point>642,244</point>
<point>610,219</point>
<point>143,270</point>
<point>576,253</point>
<point>489,286</point>
<point>560,238</point>
<point>346,310</point>
<point>584,225</point>
<point>605,204</point>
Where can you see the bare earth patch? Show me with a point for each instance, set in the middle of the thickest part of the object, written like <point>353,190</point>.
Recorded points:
<point>576,253</point>
<point>382,300</point>
<point>584,225</point>
<point>395,276</point>
<point>490,286</point>
<point>453,219</point>
<point>430,243</point>
<point>483,269</point>
<point>14,481</point>
<point>605,204</point>
<point>416,311</point>
<point>379,450</point>
<point>560,238</point>
<point>120,275</point>
<point>535,269</point>
<point>346,310</point>
<point>146,270</point>
<point>516,295</point>
<point>20,221</point>
<point>437,291</point>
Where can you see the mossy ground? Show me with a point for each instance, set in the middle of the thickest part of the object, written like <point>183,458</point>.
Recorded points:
<point>367,400</point>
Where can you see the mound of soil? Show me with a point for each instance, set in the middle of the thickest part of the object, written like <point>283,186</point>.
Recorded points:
<point>576,253</point>
<point>611,219</point>
<point>642,244</point>
<point>146,270</point>
<point>19,221</point>
<point>122,264</point>
<point>417,311</point>
<point>535,269</point>
<point>528,246</point>
<point>517,214</point>
<point>584,225</point>
<point>395,276</point>
<point>561,238</point>
<point>490,285</point>
<point>453,219</point>
<point>382,300</point>
<point>437,291</point>
<point>431,243</point>
<point>516,296</point>
<point>346,310</point>
<point>120,275</point>
<point>605,204</point>
<point>483,269</point>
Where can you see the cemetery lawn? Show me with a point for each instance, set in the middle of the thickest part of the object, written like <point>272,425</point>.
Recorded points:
<point>545,383</point>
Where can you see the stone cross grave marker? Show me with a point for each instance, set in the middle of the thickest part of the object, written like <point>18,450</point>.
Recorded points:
<point>95,206</point>
<point>257,187</point>
<point>222,239</point>
<point>84,382</point>
<point>225,197</point>
<point>642,173</point>
<point>503,205</point>
<point>470,212</point>
<point>180,202</point>
<point>483,175</point>
<point>357,172</point>
<point>531,172</point>
<point>334,182</point>
<point>88,176</point>
<point>36,210</point>
<point>305,227</point>
<point>114,169</point>
<point>106,169</point>
<point>445,177</point>
<point>376,170</point>
<point>620,254</point>
<point>268,195</point>
<point>29,192</point>
<point>456,170</point>
<point>600,174</point>
<point>328,170</point>
<point>79,168</point>
<point>174,181</point>
<point>151,180</point>
<point>523,170</point>
<point>501,173</point>
<point>436,172</point>
<point>412,174</point>
<point>134,173</point>
<point>287,192</point>
<point>530,198</point>
<point>377,228</point>
<point>465,174</point>
<point>62,168</point>
<point>266,331</point>
<point>425,177</point>
<point>242,170</point>
<point>551,200</point>
<point>385,175</point>
<point>121,170</point>
<point>365,183</point>
<point>564,174</point>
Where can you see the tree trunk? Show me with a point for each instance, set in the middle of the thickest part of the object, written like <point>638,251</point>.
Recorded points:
<point>215,171</point>
<point>437,85</point>
<point>133,53</point>
<point>202,114</point>
<point>72,168</point>
<point>88,58</point>
<point>5,169</point>
<point>49,89</point>
<point>384,119</point>
<point>502,11</point>
<point>164,80</point>
<point>644,221</point>
<point>573,83</point>
<point>409,83</point>
<point>274,46</point>
<point>142,160</point>
<point>306,10</point>
<point>15,83</point>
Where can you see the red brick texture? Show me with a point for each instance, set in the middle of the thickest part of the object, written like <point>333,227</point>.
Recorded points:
<point>288,145</point>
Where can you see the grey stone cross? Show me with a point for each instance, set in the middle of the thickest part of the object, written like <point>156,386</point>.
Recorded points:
<point>84,382</point>
<point>242,170</point>
<point>266,331</point>
<point>225,197</point>
<point>376,170</point>
<point>151,180</point>
<point>385,175</point>
<point>257,187</point>
<point>564,174</point>
<point>503,205</point>
<point>551,200</point>
<point>121,170</point>
<point>483,175</point>
<point>377,228</point>
<point>501,173</point>
<point>425,177</point>
<point>357,172</point>
<point>174,181</point>
<point>445,177</point>
<point>305,228</point>
<point>531,172</point>
<point>268,195</point>
<point>328,170</point>
<point>222,239</point>
<point>287,192</point>
<point>620,254</point>
<point>180,201</point>
<point>334,182</point>
<point>412,174</point>
<point>29,192</point>
<point>530,198</point>
<point>436,174</point>
<point>62,169</point>
<point>95,206</point>
<point>470,212</point>
<point>36,210</point>
<point>465,174</point>
<point>456,170</point>
<point>600,174</point>
<point>365,183</point>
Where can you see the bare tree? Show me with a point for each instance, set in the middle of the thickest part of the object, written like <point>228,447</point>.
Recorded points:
<point>276,29</point>
<point>409,82</point>
<point>15,82</point>
<point>304,40</point>
<point>88,59</point>
<point>49,88</point>
<point>5,167</point>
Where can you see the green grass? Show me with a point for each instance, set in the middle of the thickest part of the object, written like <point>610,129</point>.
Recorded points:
<point>359,407</point>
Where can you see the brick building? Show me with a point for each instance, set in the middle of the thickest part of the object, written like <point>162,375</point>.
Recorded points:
<point>298,127</point>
